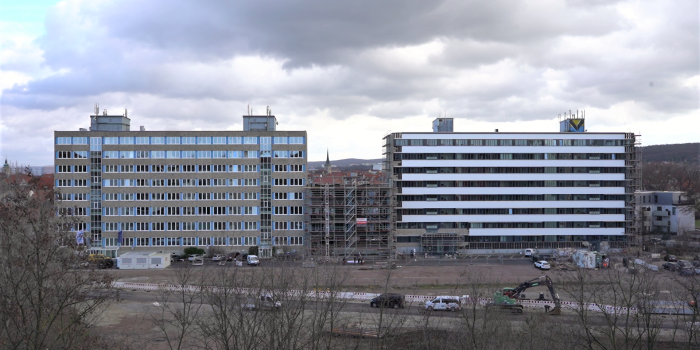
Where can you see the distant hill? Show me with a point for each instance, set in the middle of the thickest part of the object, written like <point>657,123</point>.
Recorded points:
<point>344,162</point>
<point>681,152</point>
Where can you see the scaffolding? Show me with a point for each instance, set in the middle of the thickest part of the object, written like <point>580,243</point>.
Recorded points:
<point>633,163</point>
<point>346,216</point>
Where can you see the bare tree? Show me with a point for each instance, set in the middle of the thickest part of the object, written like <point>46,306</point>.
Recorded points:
<point>45,301</point>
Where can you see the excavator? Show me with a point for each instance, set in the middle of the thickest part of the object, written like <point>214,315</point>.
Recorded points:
<point>508,297</point>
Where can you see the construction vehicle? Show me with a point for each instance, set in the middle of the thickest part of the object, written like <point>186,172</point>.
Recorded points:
<point>508,298</point>
<point>100,261</point>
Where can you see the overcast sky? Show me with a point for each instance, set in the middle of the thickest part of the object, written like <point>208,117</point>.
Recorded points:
<point>348,72</point>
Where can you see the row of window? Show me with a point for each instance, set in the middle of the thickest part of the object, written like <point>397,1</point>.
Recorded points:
<point>178,154</point>
<point>72,183</point>
<point>549,183</point>
<point>510,211</point>
<point>509,170</point>
<point>178,140</point>
<point>552,238</point>
<point>552,224</point>
<point>497,156</point>
<point>198,241</point>
<point>191,168</point>
<point>191,182</point>
<point>199,226</point>
<point>466,142</point>
<point>178,196</point>
<point>188,211</point>
<point>512,197</point>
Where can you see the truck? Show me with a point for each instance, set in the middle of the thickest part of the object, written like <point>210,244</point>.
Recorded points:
<point>264,302</point>
<point>508,298</point>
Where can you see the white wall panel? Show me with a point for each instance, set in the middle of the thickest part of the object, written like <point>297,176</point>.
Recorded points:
<point>612,231</point>
<point>512,149</point>
<point>513,177</point>
<point>513,190</point>
<point>511,218</point>
<point>513,163</point>
<point>512,204</point>
<point>517,136</point>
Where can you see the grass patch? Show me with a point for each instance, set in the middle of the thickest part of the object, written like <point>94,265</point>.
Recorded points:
<point>697,223</point>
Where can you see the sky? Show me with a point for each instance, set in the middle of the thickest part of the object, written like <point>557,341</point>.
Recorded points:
<point>348,72</point>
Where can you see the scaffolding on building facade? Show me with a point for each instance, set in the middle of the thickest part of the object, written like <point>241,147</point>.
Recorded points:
<point>633,163</point>
<point>347,217</point>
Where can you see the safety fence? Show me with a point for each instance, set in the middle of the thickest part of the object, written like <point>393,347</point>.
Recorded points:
<point>465,299</point>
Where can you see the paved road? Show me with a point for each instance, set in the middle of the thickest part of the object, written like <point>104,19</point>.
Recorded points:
<point>419,311</point>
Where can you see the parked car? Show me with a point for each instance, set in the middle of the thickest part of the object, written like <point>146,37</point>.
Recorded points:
<point>264,302</point>
<point>101,261</point>
<point>174,257</point>
<point>670,257</point>
<point>217,257</point>
<point>443,303</point>
<point>670,266</point>
<point>253,260</point>
<point>194,256</point>
<point>684,264</point>
<point>686,271</point>
<point>389,300</point>
<point>542,265</point>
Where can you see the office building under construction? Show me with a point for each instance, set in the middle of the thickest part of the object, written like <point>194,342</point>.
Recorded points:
<point>348,214</point>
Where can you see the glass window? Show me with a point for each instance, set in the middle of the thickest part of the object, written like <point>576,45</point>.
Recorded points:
<point>235,140</point>
<point>63,140</point>
<point>250,140</point>
<point>250,154</point>
<point>204,140</point>
<point>80,140</point>
<point>296,140</point>
<point>142,140</point>
<point>157,154</point>
<point>126,154</point>
<point>111,141</point>
<point>110,154</point>
<point>189,154</point>
<point>80,154</point>
<point>218,154</point>
<point>158,140</point>
<point>188,140</point>
<point>173,154</point>
<point>219,140</point>
<point>281,154</point>
<point>126,140</point>
<point>235,154</point>
<point>280,140</point>
<point>173,140</point>
<point>203,154</point>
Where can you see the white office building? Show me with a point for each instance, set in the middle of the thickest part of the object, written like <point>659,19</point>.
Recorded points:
<point>508,191</point>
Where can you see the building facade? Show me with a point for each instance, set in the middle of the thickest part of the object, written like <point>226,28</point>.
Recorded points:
<point>167,190</point>
<point>510,191</point>
<point>665,212</point>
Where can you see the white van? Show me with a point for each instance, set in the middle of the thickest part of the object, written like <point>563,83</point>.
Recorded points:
<point>443,303</point>
<point>253,260</point>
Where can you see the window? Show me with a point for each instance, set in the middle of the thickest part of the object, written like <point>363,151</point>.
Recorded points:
<point>80,183</point>
<point>203,182</point>
<point>204,240</point>
<point>188,168</point>
<point>296,167</point>
<point>172,154</point>
<point>280,210</point>
<point>189,182</point>
<point>128,241</point>
<point>217,140</point>
<point>235,154</point>
<point>296,225</point>
<point>250,140</point>
<point>110,154</point>
<point>81,196</point>
<point>218,154</point>
<point>296,210</point>
<point>63,168</point>
<point>296,182</point>
<point>280,195</point>
<point>63,140</point>
<point>296,240</point>
<point>141,226</point>
<point>188,226</point>
<point>204,196</point>
<point>63,183</point>
<point>80,140</point>
<point>188,241</point>
<point>80,154</point>
<point>218,182</point>
<point>126,154</point>
<point>280,182</point>
<point>296,195</point>
<point>218,168</point>
<point>158,140</point>
<point>80,168</point>
<point>296,140</point>
<point>188,140</point>
<point>219,225</point>
<point>250,196</point>
<point>204,140</point>
<point>140,182</point>
<point>141,154</point>
<point>249,168</point>
<point>188,154</point>
<point>234,195</point>
<point>250,182</point>
<point>203,154</point>
<point>280,168</point>
<point>141,168</point>
<point>250,154</point>
<point>157,211</point>
<point>250,226</point>
<point>110,211</point>
<point>235,241</point>
<point>250,240</point>
<point>173,182</point>
<point>218,241</point>
<point>235,140</point>
<point>141,140</point>
<point>142,211</point>
<point>296,154</point>
<point>63,155</point>
<point>111,141</point>
<point>203,210</point>
<point>173,168</point>
<point>281,154</point>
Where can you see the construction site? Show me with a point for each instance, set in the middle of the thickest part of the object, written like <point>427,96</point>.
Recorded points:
<point>348,215</point>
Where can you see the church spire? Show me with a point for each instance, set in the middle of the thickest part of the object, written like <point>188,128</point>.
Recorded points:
<point>327,166</point>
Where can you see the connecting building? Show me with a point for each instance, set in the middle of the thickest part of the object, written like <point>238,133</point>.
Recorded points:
<point>664,212</point>
<point>511,190</point>
<point>167,190</point>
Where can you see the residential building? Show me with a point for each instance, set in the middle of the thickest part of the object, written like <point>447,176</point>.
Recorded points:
<point>665,212</point>
<point>507,191</point>
<point>167,190</point>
